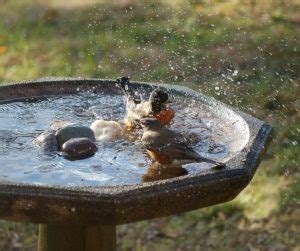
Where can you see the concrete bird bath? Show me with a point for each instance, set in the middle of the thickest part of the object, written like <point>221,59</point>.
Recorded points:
<point>81,211</point>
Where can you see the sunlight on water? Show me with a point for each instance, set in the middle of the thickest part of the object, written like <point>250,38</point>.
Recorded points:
<point>121,162</point>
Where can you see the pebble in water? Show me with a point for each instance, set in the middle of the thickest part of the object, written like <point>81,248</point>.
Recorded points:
<point>107,130</point>
<point>73,131</point>
<point>78,148</point>
<point>47,141</point>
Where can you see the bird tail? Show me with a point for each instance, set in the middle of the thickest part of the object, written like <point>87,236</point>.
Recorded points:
<point>217,163</point>
<point>198,157</point>
<point>129,94</point>
<point>123,84</point>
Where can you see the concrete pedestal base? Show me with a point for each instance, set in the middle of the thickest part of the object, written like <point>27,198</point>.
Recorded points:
<point>77,238</point>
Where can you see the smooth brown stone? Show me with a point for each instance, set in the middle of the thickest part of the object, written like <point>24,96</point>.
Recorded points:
<point>78,148</point>
<point>73,131</point>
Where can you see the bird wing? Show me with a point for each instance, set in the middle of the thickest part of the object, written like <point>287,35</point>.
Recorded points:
<point>168,143</point>
<point>171,144</point>
<point>152,140</point>
<point>179,150</point>
<point>130,94</point>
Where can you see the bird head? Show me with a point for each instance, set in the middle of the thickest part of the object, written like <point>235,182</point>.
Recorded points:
<point>158,99</point>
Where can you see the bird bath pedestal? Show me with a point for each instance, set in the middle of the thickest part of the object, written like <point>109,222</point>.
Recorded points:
<point>85,217</point>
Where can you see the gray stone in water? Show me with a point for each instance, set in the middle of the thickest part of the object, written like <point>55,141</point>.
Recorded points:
<point>58,124</point>
<point>47,141</point>
<point>73,131</point>
<point>78,148</point>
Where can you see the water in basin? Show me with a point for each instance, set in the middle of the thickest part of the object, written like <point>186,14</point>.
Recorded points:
<point>118,163</point>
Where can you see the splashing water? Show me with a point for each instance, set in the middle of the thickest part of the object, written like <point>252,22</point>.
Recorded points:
<point>117,163</point>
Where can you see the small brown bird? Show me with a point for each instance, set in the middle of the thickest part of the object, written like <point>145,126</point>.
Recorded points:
<point>136,108</point>
<point>166,146</point>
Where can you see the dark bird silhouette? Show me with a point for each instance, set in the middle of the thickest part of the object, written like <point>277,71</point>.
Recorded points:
<point>166,146</point>
<point>137,108</point>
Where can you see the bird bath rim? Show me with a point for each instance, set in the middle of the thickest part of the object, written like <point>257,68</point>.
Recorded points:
<point>120,199</point>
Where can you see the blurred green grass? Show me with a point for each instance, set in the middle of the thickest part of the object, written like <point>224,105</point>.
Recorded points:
<point>245,53</point>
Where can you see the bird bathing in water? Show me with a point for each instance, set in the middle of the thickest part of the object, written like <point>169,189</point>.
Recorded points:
<point>167,147</point>
<point>136,108</point>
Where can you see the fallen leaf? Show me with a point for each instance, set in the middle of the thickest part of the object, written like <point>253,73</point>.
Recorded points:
<point>51,14</point>
<point>198,7</point>
<point>3,49</point>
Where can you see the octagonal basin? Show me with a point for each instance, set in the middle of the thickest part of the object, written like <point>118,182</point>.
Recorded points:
<point>116,173</point>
